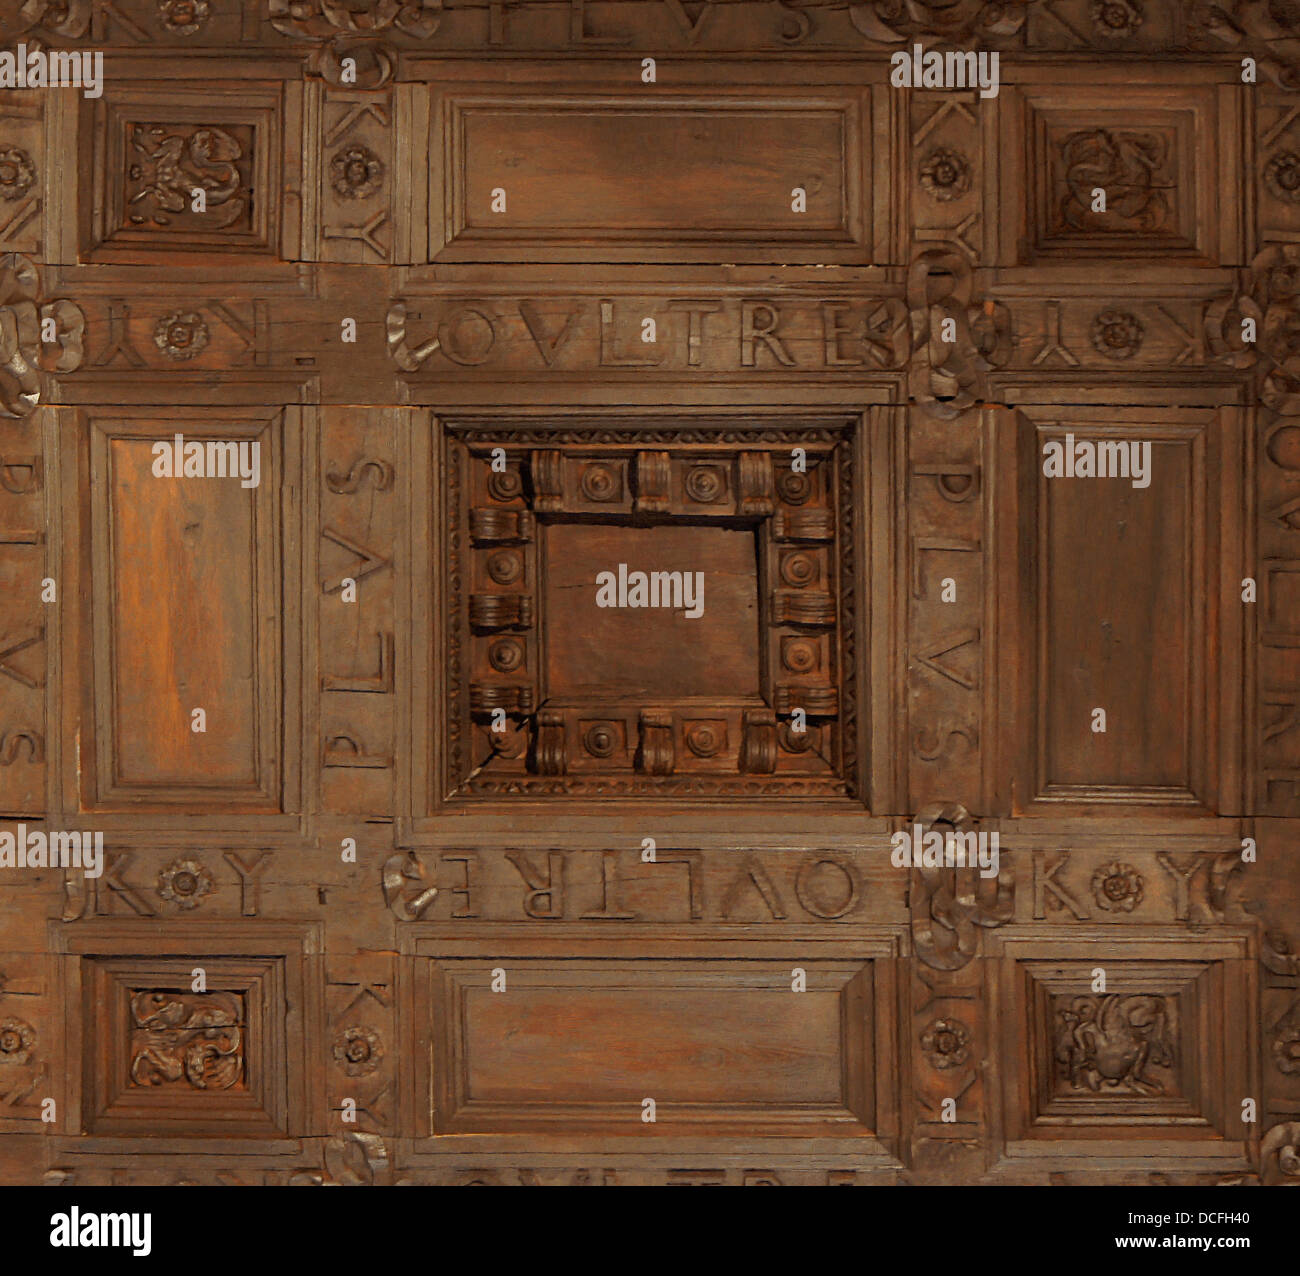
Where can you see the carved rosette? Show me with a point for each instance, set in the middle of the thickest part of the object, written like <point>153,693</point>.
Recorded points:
<point>24,321</point>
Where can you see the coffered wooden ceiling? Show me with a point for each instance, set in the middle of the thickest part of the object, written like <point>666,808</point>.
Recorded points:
<point>434,952</point>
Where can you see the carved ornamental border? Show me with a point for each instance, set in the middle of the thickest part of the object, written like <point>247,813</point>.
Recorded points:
<point>636,476</point>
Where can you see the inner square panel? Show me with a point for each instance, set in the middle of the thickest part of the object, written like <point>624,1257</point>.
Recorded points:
<point>653,653</point>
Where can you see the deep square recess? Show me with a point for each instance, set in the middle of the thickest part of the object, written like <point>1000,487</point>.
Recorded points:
<point>655,652</point>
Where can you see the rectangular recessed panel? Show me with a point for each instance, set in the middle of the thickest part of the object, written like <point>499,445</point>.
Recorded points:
<point>680,1044</point>
<point>756,174</point>
<point>1117,590</point>
<point>185,604</point>
<point>717,1044</point>
<point>653,652</point>
<point>183,624</point>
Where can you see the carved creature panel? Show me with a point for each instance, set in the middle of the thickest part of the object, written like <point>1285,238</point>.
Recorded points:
<point>1113,1042</point>
<point>187,176</point>
<point>191,1038</point>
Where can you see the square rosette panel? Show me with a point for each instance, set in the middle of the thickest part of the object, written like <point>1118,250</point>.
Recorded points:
<point>649,611</point>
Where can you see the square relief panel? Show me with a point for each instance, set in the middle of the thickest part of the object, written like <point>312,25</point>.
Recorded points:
<point>1152,1062</point>
<point>163,1057</point>
<point>166,1054</point>
<point>666,611</point>
<point>1141,180</point>
<point>184,170</point>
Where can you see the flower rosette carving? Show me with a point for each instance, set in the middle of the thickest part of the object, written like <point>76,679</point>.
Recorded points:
<point>183,17</point>
<point>946,1043</point>
<point>1116,334</point>
<point>23,354</point>
<point>1269,295</point>
<point>1117,888</point>
<point>892,21</point>
<point>17,173</point>
<point>1282,176</point>
<point>181,334</point>
<point>356,172</point>
<point>1115,19</point>
<point>17,1040</point>
<point>185,883</point>
<point>944,174</point>
<point>358,1051</point>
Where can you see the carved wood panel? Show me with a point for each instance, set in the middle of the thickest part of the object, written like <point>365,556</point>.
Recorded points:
<point>528,531</point>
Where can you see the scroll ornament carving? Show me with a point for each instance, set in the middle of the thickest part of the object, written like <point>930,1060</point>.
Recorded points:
<point>355,1160</point>
<point>1264,29</point>
<point>350,31</point>
<point>945,906</point>
<point>67,18</point>
<point>23,354</point>
<point>955,340</point>
<point>1269,296</point>
<point>407,891</point>
<point>1280,1154</point>
<point>892,21</point>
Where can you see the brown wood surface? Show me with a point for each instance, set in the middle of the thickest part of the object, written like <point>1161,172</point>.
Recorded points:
<point>497,980</point>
